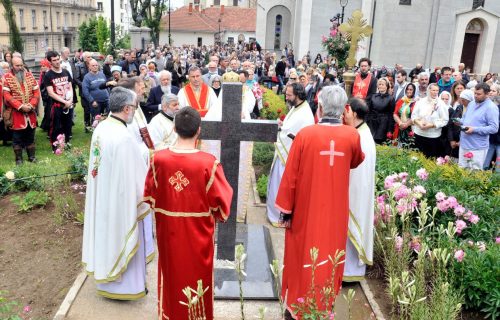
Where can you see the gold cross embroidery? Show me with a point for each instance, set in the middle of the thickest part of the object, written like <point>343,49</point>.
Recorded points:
<point>179,181</point>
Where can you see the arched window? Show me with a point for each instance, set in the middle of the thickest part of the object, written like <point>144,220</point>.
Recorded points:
<point>277,32</point>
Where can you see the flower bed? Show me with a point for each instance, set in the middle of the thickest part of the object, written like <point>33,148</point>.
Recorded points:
<point>436,235</point>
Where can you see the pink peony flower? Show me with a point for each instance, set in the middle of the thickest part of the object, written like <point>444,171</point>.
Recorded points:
<point>398,243</point>
<point>95,123</point>
<point>459,211</point>
<point>419,191</point>
<point>58,152</point>
<point>440,161</point>
<point>497,240</point>
<point>333,32</point>
<point>300,300</point>
<point>474,219</point>
<point>481,246</point>
<point>460,225</point>
<point>422,174</point>
<point>381,199</point>
<point>98,117</point>
<point>440,196</point>
<point>443,206</point>
<point>468,155</point>
<point>401,193</point>
<point>470,243</point>
<point>403,175</point>
<point>452,202</point>
<point>389,181</point>
<point>61,138</point>
<point>459,255</point>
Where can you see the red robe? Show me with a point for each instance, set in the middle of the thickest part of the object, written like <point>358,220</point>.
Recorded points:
<point>315,190</point>
<point>16,94</point>
<point>188,192</point>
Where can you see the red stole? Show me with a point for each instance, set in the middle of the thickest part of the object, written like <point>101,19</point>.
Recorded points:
<point>360,88</point>
<point>199,103</point>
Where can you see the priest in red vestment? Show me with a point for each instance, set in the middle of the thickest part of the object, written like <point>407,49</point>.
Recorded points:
<point>196,93</point>
<point>365,83</point>
<point>188,191</point>
<point>314,198</point>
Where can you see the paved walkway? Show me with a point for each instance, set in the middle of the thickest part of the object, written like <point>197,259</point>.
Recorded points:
<point>89,306</point>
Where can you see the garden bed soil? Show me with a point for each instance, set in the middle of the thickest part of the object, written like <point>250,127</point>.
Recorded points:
<point>39,259</point>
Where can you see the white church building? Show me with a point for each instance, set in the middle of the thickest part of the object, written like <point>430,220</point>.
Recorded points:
<point>431,32</point>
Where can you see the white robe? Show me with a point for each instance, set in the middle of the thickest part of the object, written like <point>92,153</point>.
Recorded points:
<point>359,250</point>
<point>184,102</point>
<point>213,147</point>
<point>113,233</point>
<point>161,130</point>
<point>296,119</point>
<point>140,122</point>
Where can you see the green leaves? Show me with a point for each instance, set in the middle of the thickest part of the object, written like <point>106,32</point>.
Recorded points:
<point>30,201</point>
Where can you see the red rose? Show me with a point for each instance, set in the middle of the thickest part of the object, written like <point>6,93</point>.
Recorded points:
<point>282,117</point>
<point>469,155</point>
<point>94,173</point>
<point>411,134</point>
<point>266,104</point>
<point>389,135</point>
<point>278,111</point>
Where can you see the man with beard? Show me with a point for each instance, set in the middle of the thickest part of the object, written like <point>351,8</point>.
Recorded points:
<point>153,105</point>
<point>58,83</point>
<point>161,126</point>
<point>365,85</point>
<point>298,117</point>
<point>114,236</point>
<point>21,95</point>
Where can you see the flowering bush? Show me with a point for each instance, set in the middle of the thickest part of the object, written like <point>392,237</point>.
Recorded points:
<point>60,144</point>
<point>336,45</point>
<point>432,220</point>
<point>274,106</point>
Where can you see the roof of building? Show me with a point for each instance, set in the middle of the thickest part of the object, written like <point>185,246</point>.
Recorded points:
<point>207,20</point>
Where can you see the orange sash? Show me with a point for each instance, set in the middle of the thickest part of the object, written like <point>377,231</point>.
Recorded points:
<point>198,103</point>
<point>360,88</point>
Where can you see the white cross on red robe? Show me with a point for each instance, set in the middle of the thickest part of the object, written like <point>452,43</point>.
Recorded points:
<point>332,153</point>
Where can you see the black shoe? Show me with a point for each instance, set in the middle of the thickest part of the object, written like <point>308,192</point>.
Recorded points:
<point>31,152</point>
<point>18,152</point>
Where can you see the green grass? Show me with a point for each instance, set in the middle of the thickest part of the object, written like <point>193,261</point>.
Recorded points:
<point>48,163</point>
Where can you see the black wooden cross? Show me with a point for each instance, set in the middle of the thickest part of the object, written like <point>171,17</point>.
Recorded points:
<point>231,131</point>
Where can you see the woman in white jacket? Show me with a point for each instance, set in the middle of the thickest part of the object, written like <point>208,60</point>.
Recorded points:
<point>430,114</point>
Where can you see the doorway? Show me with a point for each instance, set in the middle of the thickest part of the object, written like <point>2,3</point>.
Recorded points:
<point>470,47</point>
<point>200,41</point>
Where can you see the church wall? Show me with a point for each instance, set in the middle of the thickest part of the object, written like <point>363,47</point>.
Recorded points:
<point>495,62</point>
<point>187,37</point>
<point>401,33</point>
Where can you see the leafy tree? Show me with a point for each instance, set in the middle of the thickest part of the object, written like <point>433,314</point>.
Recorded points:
<point>16,42</point>
<point>88,35</point>
<point>149,13</point>
<point>103,35</point>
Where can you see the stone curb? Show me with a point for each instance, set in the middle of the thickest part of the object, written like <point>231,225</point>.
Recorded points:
<point>70,296</point>
<point>371,300</point>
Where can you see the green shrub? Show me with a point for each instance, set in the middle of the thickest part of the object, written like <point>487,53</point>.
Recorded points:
<point>27,178</point>
<point>78,164</point>
<point>263,154</point>
<point>478,277</point>
<point>262,186</point>
<point>274,106</point>
<point>30,201</point>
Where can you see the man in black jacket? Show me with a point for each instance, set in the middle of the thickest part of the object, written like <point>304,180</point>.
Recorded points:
<point>153,105</point>
<point>81,69</point>
<point>280,72</point>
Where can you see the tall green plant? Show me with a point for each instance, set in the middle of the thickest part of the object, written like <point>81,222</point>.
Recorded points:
<point>15,40</point>
<point>88,35</point>
<point>103,35</point>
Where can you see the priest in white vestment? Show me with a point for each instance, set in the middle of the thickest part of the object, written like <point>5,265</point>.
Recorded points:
<point>246,147</point>
<point>161,127</point>
<point>137,85</point>
<point>113,235</point>
<point>298,117</point>
<point>359,249</point>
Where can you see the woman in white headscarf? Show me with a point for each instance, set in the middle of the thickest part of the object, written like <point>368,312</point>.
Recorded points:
<point>430,114</point>
<point>454,124</point>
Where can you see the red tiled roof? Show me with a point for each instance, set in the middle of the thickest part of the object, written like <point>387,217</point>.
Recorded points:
<point>233,19</point>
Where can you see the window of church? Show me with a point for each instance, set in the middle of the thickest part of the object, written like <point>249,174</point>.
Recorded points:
<point>277,32</point>
<point>405,2</point>
<point>477,3</point>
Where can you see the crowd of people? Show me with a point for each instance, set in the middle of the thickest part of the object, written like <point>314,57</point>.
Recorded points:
<point>145,110</point>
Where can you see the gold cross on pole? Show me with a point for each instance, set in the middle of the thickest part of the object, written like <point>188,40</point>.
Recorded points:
<point>355,29</point>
